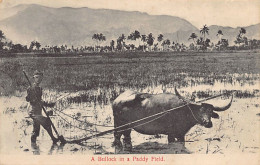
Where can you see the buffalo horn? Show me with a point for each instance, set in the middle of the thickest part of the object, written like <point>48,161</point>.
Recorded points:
<point>216,108</point>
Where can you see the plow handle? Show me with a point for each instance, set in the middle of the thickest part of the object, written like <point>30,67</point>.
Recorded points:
<point>44,110</point>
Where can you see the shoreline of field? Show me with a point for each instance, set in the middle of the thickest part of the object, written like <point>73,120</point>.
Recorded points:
<point>121,54</point>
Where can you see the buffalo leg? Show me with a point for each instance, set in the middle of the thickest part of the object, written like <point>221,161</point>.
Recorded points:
<point>117,134</point>
<point>181,140</point>
<point>171,138</point>
<point>117,143</point>
<point>178,141</point>
<point>127,140</point>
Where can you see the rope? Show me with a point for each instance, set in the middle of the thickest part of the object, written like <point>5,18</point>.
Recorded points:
<point>91,131</point>
<point>168,112</point>
<point>74,125</point>
<point>129,124</point>
<point>117,131</point>
<point>61,97</point>
<point>209,98</point>
<point>212,97</point>
<point>93,136</point>
<point>144,123</point>
<point>193,114</point>
<point>56,110</point>
<point>185,101</point>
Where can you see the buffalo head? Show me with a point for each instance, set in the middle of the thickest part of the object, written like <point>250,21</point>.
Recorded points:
<point>203,112</point>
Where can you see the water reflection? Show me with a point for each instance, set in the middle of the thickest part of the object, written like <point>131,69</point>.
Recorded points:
<point>35,149</point>
<point>159,148</point>
<point>95,107</point>
<point>57,148</point>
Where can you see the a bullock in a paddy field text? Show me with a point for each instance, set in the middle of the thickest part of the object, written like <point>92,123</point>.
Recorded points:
<point>131,106</point>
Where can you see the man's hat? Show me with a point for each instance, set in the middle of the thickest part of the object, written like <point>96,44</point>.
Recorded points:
<point>36,72</point>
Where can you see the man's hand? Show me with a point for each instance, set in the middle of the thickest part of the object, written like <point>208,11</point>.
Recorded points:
<point>50,113</point>
<point>46,104</point>
<point>51,105</point>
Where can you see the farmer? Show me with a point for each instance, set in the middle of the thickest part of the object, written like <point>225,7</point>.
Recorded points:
<point>34,96</point>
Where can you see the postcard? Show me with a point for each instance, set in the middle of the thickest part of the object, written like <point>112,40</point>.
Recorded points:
<point>129,82</point>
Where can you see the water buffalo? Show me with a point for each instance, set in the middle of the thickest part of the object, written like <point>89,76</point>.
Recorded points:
<point>131,106</point>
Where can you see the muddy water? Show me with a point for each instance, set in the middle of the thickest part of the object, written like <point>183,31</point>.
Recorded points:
<point>235,131</point>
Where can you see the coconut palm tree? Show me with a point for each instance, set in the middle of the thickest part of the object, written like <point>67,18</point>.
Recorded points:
<point>96,37</point>
<point>37,45</point>
<point>32,45</point>
<point>173,45</point>
<point>150,40</point>
<point>242,31</point>
<point>101,37</point>
<point>193,36</point>
<point>134,35</point>
<point>160,38</point>
<point>166,42</point>
<point>203,31</point>
<point>219,34</point>
<point>131,37</point>
<point>137,35</point>
<point>122,38</point>
<point>120,42</point>
<point>112,45</point>
<point>143,38</point>
<point>240,39</point>
<point>2,36</point>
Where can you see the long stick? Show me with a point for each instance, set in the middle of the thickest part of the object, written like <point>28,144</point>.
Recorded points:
<point>44,110</point>
<point>212,97</point>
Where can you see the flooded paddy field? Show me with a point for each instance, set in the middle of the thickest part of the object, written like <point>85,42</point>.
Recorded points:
<point>85,87</point>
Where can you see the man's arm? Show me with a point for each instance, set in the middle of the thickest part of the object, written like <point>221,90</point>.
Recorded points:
<point>28,97</point>
<point>48,104</point>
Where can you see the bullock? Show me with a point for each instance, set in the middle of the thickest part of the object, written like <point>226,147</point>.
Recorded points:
<point>132,106</point>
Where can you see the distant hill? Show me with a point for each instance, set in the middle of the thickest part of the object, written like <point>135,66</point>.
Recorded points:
<point>252,32</point>
<point>8,12</point>
<point>75,26</point>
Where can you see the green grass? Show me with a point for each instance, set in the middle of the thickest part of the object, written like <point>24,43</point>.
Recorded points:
<point>136,70</point>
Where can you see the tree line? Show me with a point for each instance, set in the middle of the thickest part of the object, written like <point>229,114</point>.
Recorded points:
<point>145,43</point>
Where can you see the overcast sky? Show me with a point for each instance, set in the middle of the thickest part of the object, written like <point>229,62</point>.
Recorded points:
<point>199,12</point>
